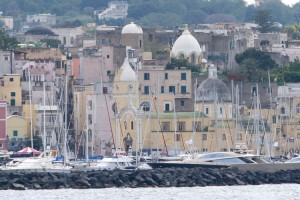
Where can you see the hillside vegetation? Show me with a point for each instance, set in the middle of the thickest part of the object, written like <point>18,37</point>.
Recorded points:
<point>167,13</point>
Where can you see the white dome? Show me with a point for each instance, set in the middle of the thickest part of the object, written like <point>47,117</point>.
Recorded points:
<point>186,44</point>
<point>204,60</point>
<point>132,28</point>
<point>127,73</point>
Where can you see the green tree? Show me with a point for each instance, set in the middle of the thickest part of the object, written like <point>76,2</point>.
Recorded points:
<point>279,11</point>
<point>195,17</point>
<point>6,42</point>
<point>262,59</point>
<point>293,31</point>
<point>249,70</point>
<point>264,19</point>
<point>182,63</point>
<point>157,19</point>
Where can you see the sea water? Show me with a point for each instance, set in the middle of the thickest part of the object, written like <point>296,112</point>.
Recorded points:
<point>257,192</point>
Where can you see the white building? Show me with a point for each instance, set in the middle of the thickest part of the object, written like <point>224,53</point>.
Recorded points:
<point>45,19</point>
<point>8,22</point>
<point>115,10</point>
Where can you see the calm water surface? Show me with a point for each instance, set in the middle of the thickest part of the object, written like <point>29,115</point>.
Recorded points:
<point>260,192</point>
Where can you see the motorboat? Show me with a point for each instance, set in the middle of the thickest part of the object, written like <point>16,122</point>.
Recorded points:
<point>113,163</point>
<point>213,160</point>
<point>42,163</point>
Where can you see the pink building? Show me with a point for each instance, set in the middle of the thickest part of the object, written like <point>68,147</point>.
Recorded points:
<point>3,138</point>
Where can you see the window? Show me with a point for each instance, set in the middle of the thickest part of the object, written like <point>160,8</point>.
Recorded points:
<point>11,79</point>
<point>15,133</point>
<point>298,108</point>
<point>274,119</point>
<point>298,135</point>
<point>146,89</point>
<point>107,56</point>
<point>146,76</point>
<point>90,135</point>
<point>223,136</point>
<point>193,58</point>
<point>140,43</point>
<point>204,136</point>
<point>182,102</point>
<point>183,76</point>
<point>282,110</point>
<point>105,90</point>
<point>181,126</point>
<point>72,40</point>
<point>6,58</point>
<point>177,137</point>
<point>13,94</point>
<point>12,102</point>
<point>183,89</point>
<point>162,89</point>
<point>90,105</point>
<point>197,126</point>
<point>125,125</point>
<point>90,119</point>
<point>172,89</point>
<point>65,40</point>
<point>220,111</point>
<point>166,76</point>
<point>239,136</point>
<point>1,145</point>
<point>150,38</point>
<point>145,105</point>
<point>108,73</point>
<point>165,126</point>
<point>131,125</point>
<point>167,107</point>
<point>253,91</point>
<point>207,111</point>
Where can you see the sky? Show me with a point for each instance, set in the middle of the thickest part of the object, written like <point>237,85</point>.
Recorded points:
<point>288,2</point>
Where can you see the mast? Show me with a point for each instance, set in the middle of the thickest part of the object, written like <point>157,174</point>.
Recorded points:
<point>194,127</point>
<point>216,122</point>
<point>256,124</point>
<point>30,107</point>
<point>66,108</point>
<point>44,117</point>
<point>158,124</point>
<point>270,92</point>
<point>175,126</point>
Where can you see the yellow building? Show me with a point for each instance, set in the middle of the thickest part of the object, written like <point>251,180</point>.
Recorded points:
<point>10,89</point>
<point>30,118</point>
<point>16,132</point>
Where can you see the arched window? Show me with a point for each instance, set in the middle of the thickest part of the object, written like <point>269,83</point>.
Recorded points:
<point>282,110</point>
<point>90,134</point>
<point>298,108</point>
<point>181,56</point>
<point>90,119</point>
<point>145,105</point>
<point>193,58</point>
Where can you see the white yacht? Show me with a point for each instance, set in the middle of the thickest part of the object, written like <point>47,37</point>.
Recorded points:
<point>112,163</point>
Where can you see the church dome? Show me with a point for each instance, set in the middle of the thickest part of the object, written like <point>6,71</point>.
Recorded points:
<point>186,45</point>
<point>213,88</point>
<point>127,74</point>
<point>40,30</point>
<point>132,28</point>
